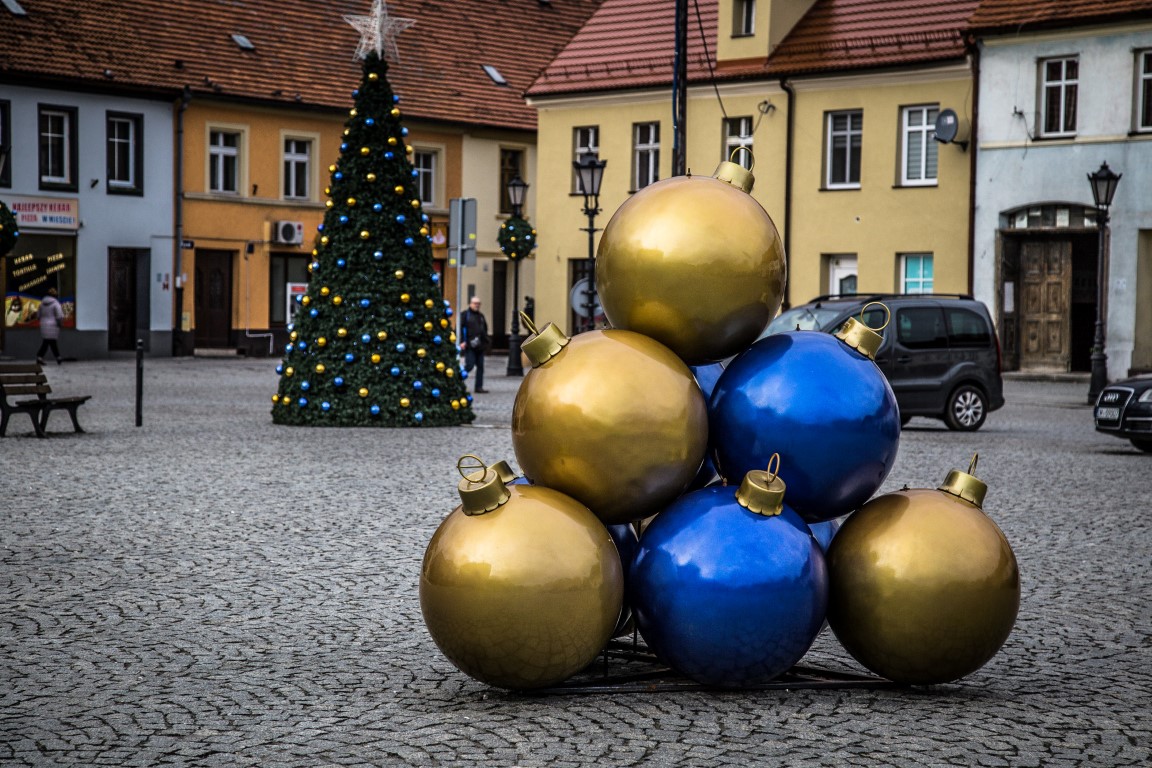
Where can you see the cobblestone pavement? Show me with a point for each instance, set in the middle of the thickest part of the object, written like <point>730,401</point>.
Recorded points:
<point>210,589</point>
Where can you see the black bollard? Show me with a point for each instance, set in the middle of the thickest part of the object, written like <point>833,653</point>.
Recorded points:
<point>139,382</point>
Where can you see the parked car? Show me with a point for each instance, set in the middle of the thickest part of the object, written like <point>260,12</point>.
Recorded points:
<point>940,351</point>
<point>1124,409</point>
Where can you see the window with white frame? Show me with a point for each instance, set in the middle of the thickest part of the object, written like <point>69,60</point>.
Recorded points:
<point>585,141</point>
<point>845,135</point>
<point>919,150</point>
<point>743,18</point>
<point>645,154</point>
<point>297,168</point>
<point>737,134</point>
<point>57,148</point>
<point>1060,82</point>
<point>424,163</point>
<point>125,136</point>
<point>224,161</point>
<point>916,273</point>
<point>1143,91</point>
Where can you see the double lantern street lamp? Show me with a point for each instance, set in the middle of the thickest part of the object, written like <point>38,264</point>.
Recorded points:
<point>1103,183</point>
<point>589,173</point>
<point>517,189</point>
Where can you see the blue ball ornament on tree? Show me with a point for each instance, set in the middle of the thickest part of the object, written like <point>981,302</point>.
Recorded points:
<point>823,404</point>
<point>728,586</point>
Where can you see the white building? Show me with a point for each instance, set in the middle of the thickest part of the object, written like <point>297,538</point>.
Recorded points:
<point>1060,92</point>
<point>90,179</point>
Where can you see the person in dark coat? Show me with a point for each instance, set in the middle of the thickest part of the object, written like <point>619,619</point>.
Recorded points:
<point>475,341</point>
<point>51,316</point>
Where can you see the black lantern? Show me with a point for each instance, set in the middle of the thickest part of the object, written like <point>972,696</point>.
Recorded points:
<point>590,172</point>
<point>517,190</point>
<point>1103,183</point>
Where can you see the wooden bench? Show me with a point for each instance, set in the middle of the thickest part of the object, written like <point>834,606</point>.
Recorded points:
<point>20,380</point>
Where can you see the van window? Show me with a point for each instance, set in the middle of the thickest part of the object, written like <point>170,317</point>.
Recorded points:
<point>966,328</point>
<point>921,328</point>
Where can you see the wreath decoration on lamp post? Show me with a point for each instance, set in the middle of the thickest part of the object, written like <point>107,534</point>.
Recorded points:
<point>8,229</point>
<point>517,238</point>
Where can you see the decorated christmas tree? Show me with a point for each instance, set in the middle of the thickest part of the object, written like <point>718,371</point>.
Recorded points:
<point>372,342</point>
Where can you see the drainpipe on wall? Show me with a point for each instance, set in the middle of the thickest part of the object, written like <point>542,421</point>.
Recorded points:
<point>179,343</point>
<point>973,135</point>
<point>788,189</point>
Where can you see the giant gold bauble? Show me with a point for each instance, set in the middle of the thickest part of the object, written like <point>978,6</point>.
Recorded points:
<point>694,262</point>
<point>924,587</point>
<point>524,594</point>
<point>612,418</point>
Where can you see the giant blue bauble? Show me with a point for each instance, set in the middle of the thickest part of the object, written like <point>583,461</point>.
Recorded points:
<point>726,596</point>
<point>823,406</point>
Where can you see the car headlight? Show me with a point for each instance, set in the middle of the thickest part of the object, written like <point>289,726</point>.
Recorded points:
<point>1145,396</point>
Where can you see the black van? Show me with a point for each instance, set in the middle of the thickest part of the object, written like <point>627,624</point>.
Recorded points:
<point>940,351</point>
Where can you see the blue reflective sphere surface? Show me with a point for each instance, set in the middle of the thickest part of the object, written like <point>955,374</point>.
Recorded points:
<point>824,407</point>
<point>726,596</point>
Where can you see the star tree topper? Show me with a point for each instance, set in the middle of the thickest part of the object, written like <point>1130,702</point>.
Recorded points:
<point>378,32</point>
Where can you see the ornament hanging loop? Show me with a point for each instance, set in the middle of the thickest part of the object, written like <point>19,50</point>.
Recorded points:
<point>527,322</point>
<point>469,466</point>
<point>751,157</point>
<point>972,464</point>
<point>773,473</point>
<point>887,314</point>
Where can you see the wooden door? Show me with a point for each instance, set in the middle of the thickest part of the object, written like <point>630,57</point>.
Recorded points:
<point>121,299</point>
<point>1046,286</point>
<point>213,301</point>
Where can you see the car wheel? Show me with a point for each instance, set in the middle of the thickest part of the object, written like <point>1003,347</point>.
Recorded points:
<point>967,407</point>
<point>1144,445</point>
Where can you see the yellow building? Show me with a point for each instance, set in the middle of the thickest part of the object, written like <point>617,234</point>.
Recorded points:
<point>838,105</point>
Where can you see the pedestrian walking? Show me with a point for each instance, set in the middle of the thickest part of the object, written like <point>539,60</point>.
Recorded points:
<point>51,316</point>
<point>475,341</point>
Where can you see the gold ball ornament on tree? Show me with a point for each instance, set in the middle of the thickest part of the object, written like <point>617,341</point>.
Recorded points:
<point>923,586</point>
<point>611,418</point>
<point>521,586</point>
<point>694,262</point>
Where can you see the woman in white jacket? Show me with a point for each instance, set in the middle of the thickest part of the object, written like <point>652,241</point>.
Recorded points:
<point>51,315</point>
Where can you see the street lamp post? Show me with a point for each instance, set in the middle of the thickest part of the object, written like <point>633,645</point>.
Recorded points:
<point>1103,183</point>
<point>517,189</point>
<point>590,172</point>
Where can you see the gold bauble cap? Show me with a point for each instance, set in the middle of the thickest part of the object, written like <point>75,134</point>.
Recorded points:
<point>860,337</point>
<point>543,345</point>
<point>762,491</point>
<point>735,174</point>
<point>966,485</point>
<point>505,471</point>
<point>481,489</point>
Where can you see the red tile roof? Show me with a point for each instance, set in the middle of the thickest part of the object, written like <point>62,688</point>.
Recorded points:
<point>303,50</point>
<point>1022,15</point>
<point>631,44</point>
<point>840,35</point>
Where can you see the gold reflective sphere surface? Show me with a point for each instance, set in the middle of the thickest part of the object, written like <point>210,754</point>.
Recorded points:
<point>614,420</point>
<point>923,587</point>
<point>693,262</point>
<point>524,596</point>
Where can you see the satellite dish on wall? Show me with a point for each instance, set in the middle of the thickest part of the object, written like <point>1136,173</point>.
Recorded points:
<point>951,128</point>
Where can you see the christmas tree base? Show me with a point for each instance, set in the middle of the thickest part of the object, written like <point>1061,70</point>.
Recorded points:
<point>627,666</point>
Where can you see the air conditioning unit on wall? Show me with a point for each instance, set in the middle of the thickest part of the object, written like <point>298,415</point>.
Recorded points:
<point>288,232</point>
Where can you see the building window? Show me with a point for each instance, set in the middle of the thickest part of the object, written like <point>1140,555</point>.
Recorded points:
<point>1061,79</point>
<point>297,169</point>
<point>845,132</point>
<point>424,162</point>
<point>511,166</point>
<point>645,154</point>
<point>5,141</point>
<point>743,18</point>
<point>224,161</point>
<point>919,146</point>
<point>57,148</point>
<point>125,153</point>
<point>288,279</point>
<point>916,274</point>
<point>737,134</point>
<point>585,141</point>
<point>1143,91</point>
